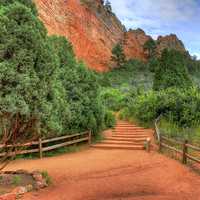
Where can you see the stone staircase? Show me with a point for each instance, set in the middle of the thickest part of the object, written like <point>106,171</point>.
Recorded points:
<point>126,136</point>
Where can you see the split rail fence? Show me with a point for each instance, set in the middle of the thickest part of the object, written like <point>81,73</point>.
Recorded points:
<point>185,150</point>
<point>44,145</point>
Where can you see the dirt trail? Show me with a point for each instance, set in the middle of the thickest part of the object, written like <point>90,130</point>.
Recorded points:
<point>99,174</point>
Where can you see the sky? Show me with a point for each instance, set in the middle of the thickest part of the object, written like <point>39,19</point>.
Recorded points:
<point>162,17</point>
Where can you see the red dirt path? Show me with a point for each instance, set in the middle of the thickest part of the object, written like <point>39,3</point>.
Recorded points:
<point>95,174</point>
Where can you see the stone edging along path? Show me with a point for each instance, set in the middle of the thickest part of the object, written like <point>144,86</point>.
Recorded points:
<point>39,183</point>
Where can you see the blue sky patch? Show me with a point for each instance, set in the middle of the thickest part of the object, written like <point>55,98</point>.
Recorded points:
<point>162,17</point>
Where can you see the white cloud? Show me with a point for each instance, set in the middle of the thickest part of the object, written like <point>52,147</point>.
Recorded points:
<point>197,54</point>
<point>155,13</point>
<point>161,17</point>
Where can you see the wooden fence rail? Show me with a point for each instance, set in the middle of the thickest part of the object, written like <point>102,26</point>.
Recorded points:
<point>45,145</point>
<point>184,147</point>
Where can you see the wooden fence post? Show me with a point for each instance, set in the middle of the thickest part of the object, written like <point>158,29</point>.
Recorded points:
<point>160,143</point>
<point>90,138</point>
<point>148,144</point>
<point>185,151</point>
<point>40,148</point>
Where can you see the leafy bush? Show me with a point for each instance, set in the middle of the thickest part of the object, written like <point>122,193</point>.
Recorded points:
<point>171,71</point>
<point>150,46</point>
<point>134,73</point>
<point>112,99</point>
<point>110,120</point>
<point>181,106</point>
<point>118,55</point>
<point>47,178</point>
<point>16,180</point>
<point>173,130</point>
<point>27,3</point>
<point>40,76</point>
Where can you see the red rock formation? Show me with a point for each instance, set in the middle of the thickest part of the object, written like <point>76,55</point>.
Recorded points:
<point>169,42</point>
<point>93,30</point>
<point>133,44</point>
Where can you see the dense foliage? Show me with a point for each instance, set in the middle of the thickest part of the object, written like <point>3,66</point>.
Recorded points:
<point>120,85</point>
<point>133,74</point>
<point>150,46</point>
<point>171,71</point>
<point>40,77</point>
<point>113,98</point>
<point>118,56</point>
<point>181,106</point>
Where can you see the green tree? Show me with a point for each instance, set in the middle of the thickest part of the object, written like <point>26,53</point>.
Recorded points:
<point>27,3</point>
<point>40,77</point>
<point>26,62</point>
<point>171,71</point>
<point>81,90</point>
<point>108,6</point>
<point>150,46</point>
<point>118,55</point>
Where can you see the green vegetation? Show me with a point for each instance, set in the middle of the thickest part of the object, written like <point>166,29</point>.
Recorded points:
<point>164,86</point>
<point>150,46</point>
<point>120,85</point>
<point>118,56</point>
<point>47,178</point>
<point>180,106</point>
<point>171,71</point>
<point>40,77</point>
<point>133,74</point>
<point>173,130</point>
<point>63,150</point>
<point>110,119</point>
<point>16,180</point>
<point>108,6</point>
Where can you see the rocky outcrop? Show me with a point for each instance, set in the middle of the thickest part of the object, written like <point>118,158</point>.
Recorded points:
<point>94,30</point>
<point>91,29</point>
<point>134,41</point>
<point>169,42</point>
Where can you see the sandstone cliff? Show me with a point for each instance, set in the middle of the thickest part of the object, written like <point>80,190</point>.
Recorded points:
<point>171,42</point>
<point>134,41</point>
<point>94,30</point>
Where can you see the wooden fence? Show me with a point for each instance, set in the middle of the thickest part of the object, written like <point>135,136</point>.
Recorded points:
<point>44,145</point>
<point>183,148</point>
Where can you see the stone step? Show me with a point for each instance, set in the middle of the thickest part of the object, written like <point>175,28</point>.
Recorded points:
<point>122,142</point>
<point>117,146</point>
<point>122,122</point>
<point>130,135</point>
<point>132,132</point>
<point>126,139</point>
<point>143,130</point>
<point>130,129</point>
<point>119,125</point>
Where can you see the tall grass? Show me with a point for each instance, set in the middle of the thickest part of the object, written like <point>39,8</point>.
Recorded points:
<point>173,130</point>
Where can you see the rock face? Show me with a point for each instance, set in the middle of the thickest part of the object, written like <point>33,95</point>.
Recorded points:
<point>134,41</point>
<point>169,42</point>
<point>93,30</point>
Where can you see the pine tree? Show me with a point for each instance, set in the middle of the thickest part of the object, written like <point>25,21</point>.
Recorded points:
<point>108,6</point>
<point>118,55</point>
<point>150,46</point>
<point>171,71</point>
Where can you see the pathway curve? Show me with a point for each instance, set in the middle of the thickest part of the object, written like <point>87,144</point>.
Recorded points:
<point>115,174</point>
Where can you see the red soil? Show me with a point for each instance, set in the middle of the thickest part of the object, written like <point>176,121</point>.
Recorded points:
<point>96,174</point>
